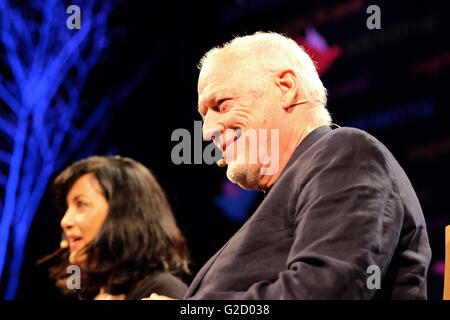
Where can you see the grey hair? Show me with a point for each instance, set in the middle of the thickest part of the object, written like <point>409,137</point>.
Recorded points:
<point>269,52</point>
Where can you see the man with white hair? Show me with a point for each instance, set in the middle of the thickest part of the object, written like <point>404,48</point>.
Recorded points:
<point>339,219</point>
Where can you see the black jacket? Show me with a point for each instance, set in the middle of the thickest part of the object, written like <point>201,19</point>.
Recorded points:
<point>341,205</point>
<point>161,283</point>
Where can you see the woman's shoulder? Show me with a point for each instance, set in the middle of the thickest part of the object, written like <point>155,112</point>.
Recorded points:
<point>162,283</point>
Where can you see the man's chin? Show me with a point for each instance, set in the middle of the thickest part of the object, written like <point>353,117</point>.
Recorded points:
<point>242,174</point>
<point>232,172</point>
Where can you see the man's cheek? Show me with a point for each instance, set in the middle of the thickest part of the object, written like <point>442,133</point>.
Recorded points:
<point>273,159</point>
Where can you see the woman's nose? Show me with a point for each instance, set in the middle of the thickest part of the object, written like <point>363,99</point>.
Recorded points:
<point>67,220</point>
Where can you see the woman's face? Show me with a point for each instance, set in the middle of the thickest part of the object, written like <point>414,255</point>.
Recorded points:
<point>86,211</point>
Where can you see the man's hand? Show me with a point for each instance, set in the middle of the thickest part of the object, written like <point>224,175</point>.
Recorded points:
<point>155,296</point>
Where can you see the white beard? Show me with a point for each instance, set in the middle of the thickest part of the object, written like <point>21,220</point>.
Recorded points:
<point>243,167</point>
<point>243,174</point>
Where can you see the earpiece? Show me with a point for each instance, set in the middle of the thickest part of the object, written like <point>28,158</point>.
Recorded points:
<point>221,163</point>
<point>64,244</point>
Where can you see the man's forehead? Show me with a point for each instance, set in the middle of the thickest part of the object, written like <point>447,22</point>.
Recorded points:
<point>209,73</point>
<point>218,68</point>
<point>206,95</point>
<point>212,90</point>
<point>202,83</point>
<point>211,82</point>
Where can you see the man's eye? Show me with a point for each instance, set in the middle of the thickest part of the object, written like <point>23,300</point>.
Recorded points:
<point>219,104</point>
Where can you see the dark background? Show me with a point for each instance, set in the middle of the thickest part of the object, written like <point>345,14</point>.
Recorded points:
<point>391,82</point>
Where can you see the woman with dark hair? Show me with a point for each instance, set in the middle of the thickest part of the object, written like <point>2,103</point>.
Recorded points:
<point>119,229</point>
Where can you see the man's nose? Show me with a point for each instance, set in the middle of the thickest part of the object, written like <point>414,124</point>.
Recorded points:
<point>212,128</point>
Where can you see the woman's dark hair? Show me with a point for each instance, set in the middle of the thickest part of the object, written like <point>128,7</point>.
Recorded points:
<point>139,236</point>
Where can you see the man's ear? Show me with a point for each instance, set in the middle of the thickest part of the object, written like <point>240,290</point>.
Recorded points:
<point>286,81</point>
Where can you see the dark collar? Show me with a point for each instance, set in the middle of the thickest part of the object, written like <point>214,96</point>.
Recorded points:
<point>307,142</point>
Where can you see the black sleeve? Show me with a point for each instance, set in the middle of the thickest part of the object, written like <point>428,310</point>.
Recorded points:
<point>163,284</point>
<point>348,217</point>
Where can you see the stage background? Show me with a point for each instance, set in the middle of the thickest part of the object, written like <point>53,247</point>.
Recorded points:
<point>392,82</point>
